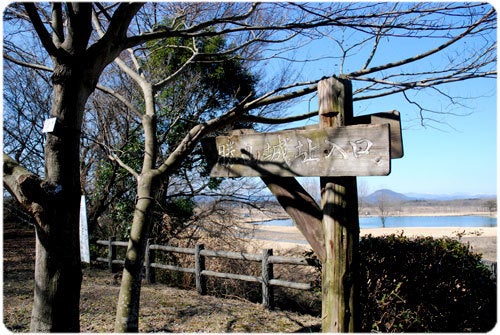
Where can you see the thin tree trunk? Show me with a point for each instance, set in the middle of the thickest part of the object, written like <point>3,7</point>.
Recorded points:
<point>127,310</point>
<point>148,184</point>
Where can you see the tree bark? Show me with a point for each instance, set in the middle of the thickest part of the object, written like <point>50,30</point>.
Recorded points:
<point>57,268</point>
<point>127,310</point>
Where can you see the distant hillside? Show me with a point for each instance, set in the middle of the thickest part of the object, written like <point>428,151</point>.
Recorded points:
<point>391,196</point>
<point>395,203</point>
<point>387,196</point>
<point>446,197</point>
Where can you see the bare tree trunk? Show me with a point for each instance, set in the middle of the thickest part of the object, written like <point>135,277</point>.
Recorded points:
<point>55,201</point>
<point>55,204</point>
<point>127,311</point>
<point>148,184</point>
<point>57,265</point>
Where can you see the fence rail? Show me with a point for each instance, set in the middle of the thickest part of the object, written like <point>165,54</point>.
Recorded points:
<point>266,258</point>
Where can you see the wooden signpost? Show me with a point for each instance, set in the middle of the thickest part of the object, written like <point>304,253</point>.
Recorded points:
<point>339,149</point>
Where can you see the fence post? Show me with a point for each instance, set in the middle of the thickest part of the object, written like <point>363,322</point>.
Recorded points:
<point>267,275</point>
<point>149,258</point>
<point>199,266</point>
<point>111,254</point>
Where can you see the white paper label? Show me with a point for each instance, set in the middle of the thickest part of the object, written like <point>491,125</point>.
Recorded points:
<point>84,233</point>
<point>49,125</point>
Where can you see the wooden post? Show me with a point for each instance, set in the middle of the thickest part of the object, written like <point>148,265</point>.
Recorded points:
<point>111,254</point>
<point>267,275</point>
<point>149,258</point>
<point>199,266</point>
<point>340,221</point>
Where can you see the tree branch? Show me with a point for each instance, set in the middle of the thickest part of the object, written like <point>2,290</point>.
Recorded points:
<point>127,167</point>
<point>43,34</point>
<point>121,98</point>
<point>193,136</point>
<point>112,41</point>
<point>26,64</point>
<point>25,186</point>
<point>268,99</point>
<point>266,120</point>
<point>422,55</point>
<point>57,24</point>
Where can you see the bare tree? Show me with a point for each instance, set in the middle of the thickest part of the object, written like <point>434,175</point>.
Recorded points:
<point>463,33</point>
<point>26,106</point>
<point>383,207</point>
<point>363,192</point>
<point>491,205</point>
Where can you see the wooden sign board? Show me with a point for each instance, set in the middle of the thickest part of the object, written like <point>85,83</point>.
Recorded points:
<point>358,150</point>
<point>393,118</point>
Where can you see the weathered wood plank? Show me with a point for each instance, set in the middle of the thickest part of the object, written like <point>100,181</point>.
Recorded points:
<point>172,267</point>
<point>267,276</point>
<point>172,249</point>
<point>393,118</point>
<point>199,266</point>
<point>232,276</point>
<point>358,150</point>
<point>290,260</point>
<point>232,255</point>
<point>289,284</point>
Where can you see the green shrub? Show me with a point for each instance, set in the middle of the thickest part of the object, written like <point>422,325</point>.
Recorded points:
<point>424,285</point>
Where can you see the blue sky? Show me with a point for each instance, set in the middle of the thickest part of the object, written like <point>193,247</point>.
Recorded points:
<point>459,158</point>
<point>457,154</point>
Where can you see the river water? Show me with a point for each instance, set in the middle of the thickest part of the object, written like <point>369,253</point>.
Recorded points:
<point>410,221</point>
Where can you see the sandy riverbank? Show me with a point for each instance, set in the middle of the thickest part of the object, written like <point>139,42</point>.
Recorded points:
<point>483,240</point>
<point>485,214</point>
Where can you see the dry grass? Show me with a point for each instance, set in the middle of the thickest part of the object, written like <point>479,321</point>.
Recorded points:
<point>163,309</point>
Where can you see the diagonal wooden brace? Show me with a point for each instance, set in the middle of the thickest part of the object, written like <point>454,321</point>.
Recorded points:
<point>302,208</point>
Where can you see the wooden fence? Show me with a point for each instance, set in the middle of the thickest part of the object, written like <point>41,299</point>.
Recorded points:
<point>266,259</point>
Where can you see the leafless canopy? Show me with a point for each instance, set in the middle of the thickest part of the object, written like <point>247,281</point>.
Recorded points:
<point>385,48</point>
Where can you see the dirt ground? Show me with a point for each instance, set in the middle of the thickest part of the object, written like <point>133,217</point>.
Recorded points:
<point>163,309</point>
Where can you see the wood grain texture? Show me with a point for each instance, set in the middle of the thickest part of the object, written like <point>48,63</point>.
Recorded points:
<point>339,202</point>
<point>392,118</point>
<point>358,150</point>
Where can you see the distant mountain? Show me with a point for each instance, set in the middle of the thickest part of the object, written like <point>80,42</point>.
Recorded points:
<point>444,197</point>
<point>387,195</point>
<point>391,196</point>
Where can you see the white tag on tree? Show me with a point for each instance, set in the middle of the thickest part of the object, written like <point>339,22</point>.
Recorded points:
<point>49,125</point>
